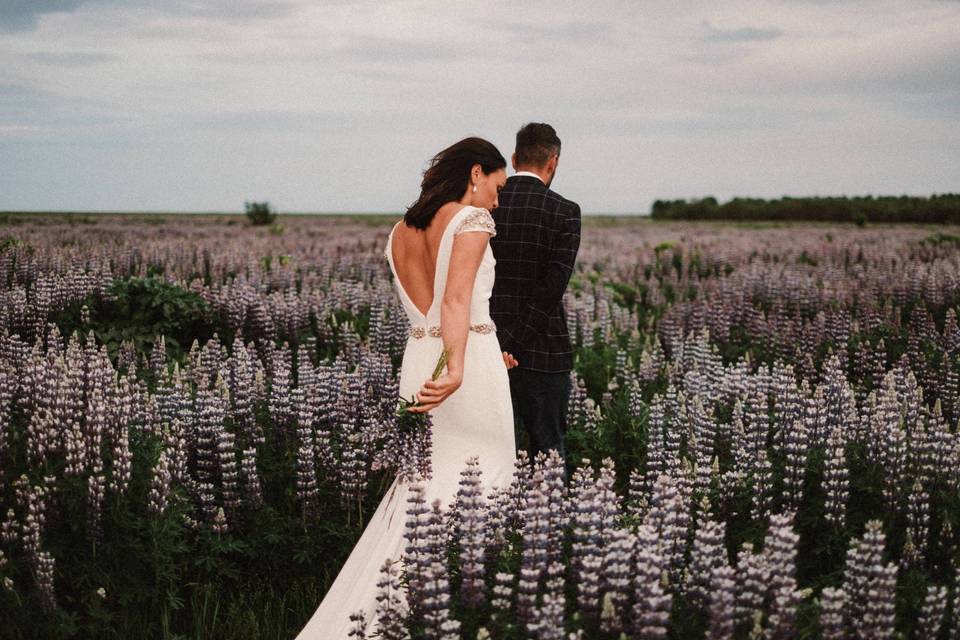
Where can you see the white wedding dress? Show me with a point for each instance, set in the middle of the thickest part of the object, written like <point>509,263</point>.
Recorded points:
<point>476,420</point>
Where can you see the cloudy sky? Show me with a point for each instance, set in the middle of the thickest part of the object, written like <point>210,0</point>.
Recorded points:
<point>326,105</point>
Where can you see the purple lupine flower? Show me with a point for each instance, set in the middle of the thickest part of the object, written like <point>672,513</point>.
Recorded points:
<point>391,605</point>
<point>353,469</point>
<point>6,401</point>
<point>243,394</point>
<point>721,598</point>
<point>933,611</point>
<point>756,409</point>
<point>516,491</point>
<point>416,552</point>
<point>796,445</point>
<point>950,389</point>
<point>495,536</point>
<point>936,456</point>
<point>96,491</point>
<point>204,493</point>
<point>617,574</point>
<point>814,414</point>
<point>891,441</point>
<point>780,553</point>
<point>219,525</point>
<point>536,552</point>
<point>833,602</point>
<point>636,503</point>
<point>753,574</point>
<point>229,473</point>
<point>835,479</point>
<point>322,400</point>
<point>740,445</point>
<point>762,480</point>
<point>209,423</point>
<point>547,621</point>
<point>674,426</point>
<point>175,443</point>
<point>918,516</point>
<point>586,555</point>
<point>158,357</point>
<point>787,400</point>
<point>656,448</point>
<point>708,555</point>
<point>470,513</point>
<point>160,485</point>
<point>652,603</point>
<point>307,481</point>
<point>870,585</point>
<point>33,501</point>
<point>840,407</point>
<point>502,595</point>
<point>80,441</point>
<point>39,444</point>
<point>703,442</point>
<point>251,477</point>
<point>9,527</point>
<point>554,484</point>
<point>43,579</point>
<point>122,460</point>
<point>359,625</point>
<point>435,606</point>
<point>279,404</point>
<point>669,516</point>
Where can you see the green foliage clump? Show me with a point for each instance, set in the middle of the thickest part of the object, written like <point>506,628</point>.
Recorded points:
<point>138,310</point>
<point>940,239</point>
<point>260,213</point>
<point>9,243</point>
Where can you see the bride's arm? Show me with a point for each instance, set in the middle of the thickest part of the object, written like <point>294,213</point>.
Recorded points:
<point>465,258</point>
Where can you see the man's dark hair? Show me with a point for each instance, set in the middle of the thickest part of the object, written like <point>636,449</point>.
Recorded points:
<point>536,142</point>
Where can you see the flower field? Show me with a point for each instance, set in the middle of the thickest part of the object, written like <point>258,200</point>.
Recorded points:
<point>197,416</point>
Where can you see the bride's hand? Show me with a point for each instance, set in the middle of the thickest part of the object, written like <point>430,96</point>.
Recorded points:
<point>509,360</point>
<point>433,392</point>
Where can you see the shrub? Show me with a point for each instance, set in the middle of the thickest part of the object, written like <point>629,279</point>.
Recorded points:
<point>139,310</point>
<point>260,213</point>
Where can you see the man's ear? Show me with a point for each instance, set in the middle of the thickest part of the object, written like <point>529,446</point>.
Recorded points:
<point>513,161</point>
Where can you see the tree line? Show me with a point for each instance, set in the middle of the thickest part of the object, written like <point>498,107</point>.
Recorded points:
<point>937,209</point>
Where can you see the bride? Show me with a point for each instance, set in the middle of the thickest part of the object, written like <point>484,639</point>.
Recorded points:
<point>443,269</point>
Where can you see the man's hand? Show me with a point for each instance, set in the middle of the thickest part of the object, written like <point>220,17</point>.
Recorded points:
<point>509,360</point>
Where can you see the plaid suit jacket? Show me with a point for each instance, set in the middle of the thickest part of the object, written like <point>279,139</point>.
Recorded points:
<point>538,235</point>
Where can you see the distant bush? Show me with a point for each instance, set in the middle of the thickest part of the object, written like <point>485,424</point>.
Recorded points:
<point>260,213</point>
<point>937,209</point>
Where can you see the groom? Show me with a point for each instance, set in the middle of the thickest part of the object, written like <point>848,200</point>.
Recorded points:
<point>538,234</point>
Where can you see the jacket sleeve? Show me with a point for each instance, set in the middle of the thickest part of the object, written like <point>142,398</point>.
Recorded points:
<point>534,319</point>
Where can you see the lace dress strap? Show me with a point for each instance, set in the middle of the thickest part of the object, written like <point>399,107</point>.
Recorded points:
<point>477,220</point>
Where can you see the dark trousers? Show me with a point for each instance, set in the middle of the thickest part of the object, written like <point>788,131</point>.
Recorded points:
<point>540,408</point>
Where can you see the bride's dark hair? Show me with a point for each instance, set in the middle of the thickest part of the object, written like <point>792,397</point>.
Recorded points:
<point>448,175</point>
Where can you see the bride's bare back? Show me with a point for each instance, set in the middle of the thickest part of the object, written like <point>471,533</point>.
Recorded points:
<point>415,256</point>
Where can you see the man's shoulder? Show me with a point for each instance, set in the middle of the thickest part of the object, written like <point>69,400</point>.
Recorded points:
<point>563,205</point>
<point>524,192</point>
<point>523,184</point>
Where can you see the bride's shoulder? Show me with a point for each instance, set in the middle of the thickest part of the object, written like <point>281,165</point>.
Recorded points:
<point>476,219</point>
